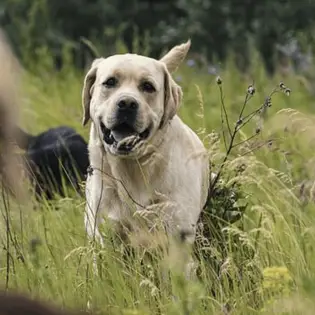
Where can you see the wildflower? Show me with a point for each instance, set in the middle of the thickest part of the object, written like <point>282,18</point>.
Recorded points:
<point>212,70</point>
<point>240,121</point>
<point>150,285</point>
<point>268,102</point>
<point>282,86</point>
<point>241,168</point>
<point>284,89</point>
<point>287,91</point>
<point>219,80</point>
<point>191,62</point>
<point>277,280</point>
<point>251,90</point>
<point>179,78</point>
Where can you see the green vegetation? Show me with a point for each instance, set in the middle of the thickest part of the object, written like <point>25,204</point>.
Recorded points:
<point>263,263</point>
<point>216,26</point>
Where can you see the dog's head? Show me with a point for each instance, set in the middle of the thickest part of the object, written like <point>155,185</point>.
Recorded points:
<point>130,97</point>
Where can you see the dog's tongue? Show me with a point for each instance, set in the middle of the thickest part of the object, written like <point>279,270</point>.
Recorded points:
<point>121,135</point>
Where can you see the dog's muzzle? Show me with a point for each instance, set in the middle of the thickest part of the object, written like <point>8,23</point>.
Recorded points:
<point>127,110</point>
<point>124,136</point>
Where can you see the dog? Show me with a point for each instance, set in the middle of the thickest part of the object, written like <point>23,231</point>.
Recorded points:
<point>143,156</point>
<point>13,303</point>
<point>53,156</point>
<point>11,166</point>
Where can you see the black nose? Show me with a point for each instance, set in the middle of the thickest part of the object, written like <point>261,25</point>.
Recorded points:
<point>128,103</point>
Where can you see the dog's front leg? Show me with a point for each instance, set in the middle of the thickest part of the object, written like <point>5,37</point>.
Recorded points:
<point>94,206</point>
<point>91,222</point>
<point>180,256</point>
<point>180,226</point>
<point>187,237</point>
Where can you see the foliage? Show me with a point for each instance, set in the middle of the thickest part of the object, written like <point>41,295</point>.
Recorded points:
<point>46,253</point>
<point>216,27</point>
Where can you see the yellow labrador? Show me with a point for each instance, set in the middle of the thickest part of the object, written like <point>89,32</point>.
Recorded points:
<point>142,155</point>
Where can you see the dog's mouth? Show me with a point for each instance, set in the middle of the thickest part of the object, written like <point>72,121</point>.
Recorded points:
<point>123,137</point>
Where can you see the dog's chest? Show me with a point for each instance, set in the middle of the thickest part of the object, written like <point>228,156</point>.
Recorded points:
<point>137,187</point>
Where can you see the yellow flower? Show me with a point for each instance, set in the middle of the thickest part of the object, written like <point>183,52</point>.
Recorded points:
<point>277,280</point>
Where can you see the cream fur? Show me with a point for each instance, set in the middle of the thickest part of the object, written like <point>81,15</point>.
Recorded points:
<point>169,169</point>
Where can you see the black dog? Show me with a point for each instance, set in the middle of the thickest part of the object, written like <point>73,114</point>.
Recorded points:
<point>14,303</point>
<point>55,158</point>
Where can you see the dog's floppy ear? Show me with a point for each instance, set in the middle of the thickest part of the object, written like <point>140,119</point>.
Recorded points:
<point>173,92</point>
<point>88,90</point>
<point>176,56</point>
<point>172,98</point>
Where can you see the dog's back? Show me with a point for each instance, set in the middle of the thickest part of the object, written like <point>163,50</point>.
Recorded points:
<point>53,156</point>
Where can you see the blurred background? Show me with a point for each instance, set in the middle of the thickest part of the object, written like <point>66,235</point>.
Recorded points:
<point>262,42</point>
<point>279,30</point>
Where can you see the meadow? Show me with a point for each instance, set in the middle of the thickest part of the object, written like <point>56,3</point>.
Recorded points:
<point>262,264</point>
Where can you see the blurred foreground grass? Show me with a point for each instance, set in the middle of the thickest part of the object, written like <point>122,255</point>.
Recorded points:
<point>45,251</point>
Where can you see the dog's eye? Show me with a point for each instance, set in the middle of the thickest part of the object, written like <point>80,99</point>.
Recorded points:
<point>110,82</point>
<point>147,87</point>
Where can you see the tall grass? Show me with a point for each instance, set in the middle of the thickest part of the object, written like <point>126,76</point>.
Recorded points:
<point>267,262</point>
